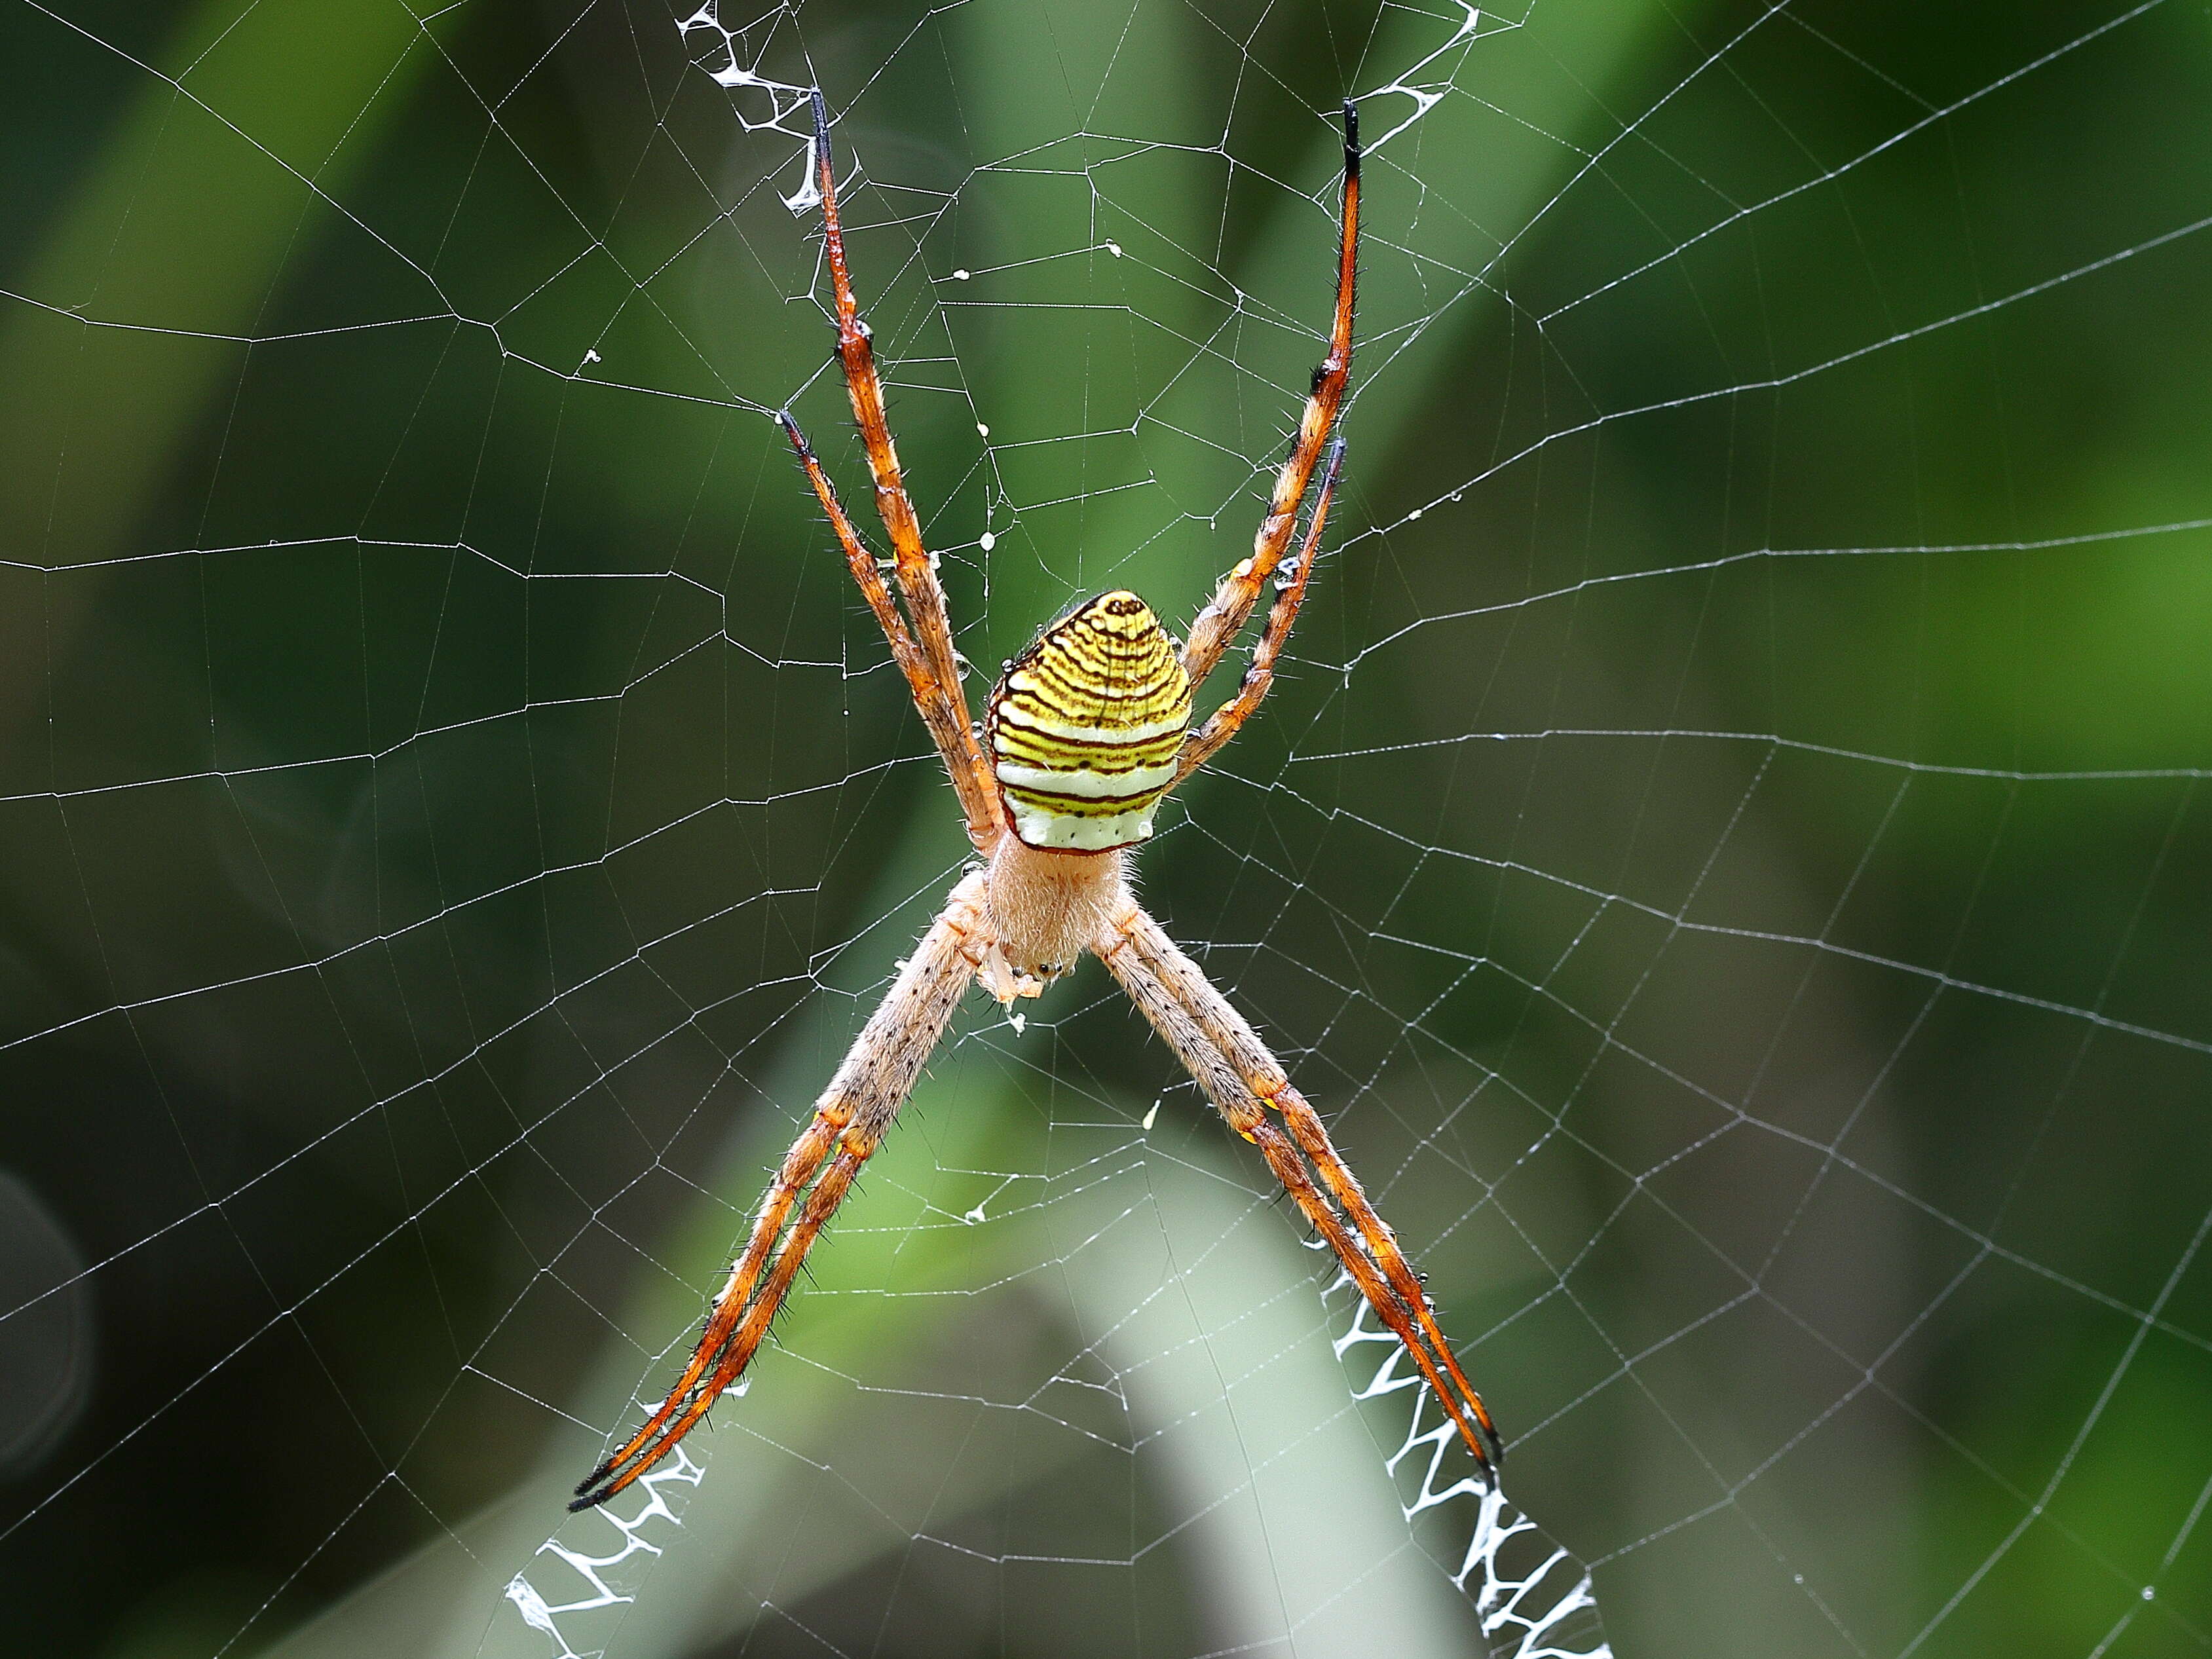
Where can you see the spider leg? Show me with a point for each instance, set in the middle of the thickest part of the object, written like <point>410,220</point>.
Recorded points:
<point>1225,722</point>
<point>1224,617</point>
<point>849,1120</point>
<point>936,679</point>
<point>945,715</point>
<point>1306,1131</point>
<point>1225,1055</point>
<point>799,1166</point>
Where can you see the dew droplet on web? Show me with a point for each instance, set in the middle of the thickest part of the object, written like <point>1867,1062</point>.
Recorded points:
<point>1114,248</point>
<point>986,541</point>
<point>1151,1117</point>
<point>959,275</point>
<point>980,428</point>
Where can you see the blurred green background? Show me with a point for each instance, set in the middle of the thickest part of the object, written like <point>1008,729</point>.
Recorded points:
<point>1730,855</point>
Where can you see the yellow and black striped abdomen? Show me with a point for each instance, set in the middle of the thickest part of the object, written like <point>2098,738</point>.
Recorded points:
<point>1084,728</point>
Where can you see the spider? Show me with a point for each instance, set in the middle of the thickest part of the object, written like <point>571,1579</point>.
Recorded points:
<point>1086,733</point>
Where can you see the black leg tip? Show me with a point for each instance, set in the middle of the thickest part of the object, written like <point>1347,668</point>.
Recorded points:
<point>1351,135</point>
<point>821,121</point>
<point>590,1500</point>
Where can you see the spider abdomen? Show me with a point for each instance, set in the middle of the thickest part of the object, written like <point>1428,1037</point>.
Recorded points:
<point>1084,728</point>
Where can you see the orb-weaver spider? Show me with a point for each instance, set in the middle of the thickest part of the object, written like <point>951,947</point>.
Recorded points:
<point>1087,733</point>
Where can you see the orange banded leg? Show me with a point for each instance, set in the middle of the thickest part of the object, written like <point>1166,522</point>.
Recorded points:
<point>1232,604</point>
<point>1425,1346</point>
<point>854,1112</point>
<point>911,564</point>
<point>743,1342</point>
<point>1225,722</point>
<point>799,1166</point>
<point>1244,1081</point>
<point>1305,1129</point>
<point>942,707</point>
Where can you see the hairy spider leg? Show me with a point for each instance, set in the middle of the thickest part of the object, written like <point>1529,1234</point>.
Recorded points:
<point>852,1116</point>
<point>1224,617</point>
<point>1221,1049</point>
<point>1305,1125</point>
<point>869,577</point>
<point>1260,673</point>
<point>936,680</point>
<point>800,1166</point>
<point>1428,1353</point>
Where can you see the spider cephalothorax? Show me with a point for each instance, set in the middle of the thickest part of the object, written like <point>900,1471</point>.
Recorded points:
<point>1085,735</point>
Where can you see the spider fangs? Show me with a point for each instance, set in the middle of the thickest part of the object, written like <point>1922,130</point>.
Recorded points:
<point>1087,732</point>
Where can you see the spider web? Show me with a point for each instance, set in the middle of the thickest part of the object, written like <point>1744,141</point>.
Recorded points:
<point>1726,854</point>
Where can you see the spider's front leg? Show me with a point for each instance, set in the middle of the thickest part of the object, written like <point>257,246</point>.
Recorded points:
<point>925,650</point>
<point>1225,722</point>
<point>849,1122</point>
<point>1230,608</point>
<point>1221,1050</point>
